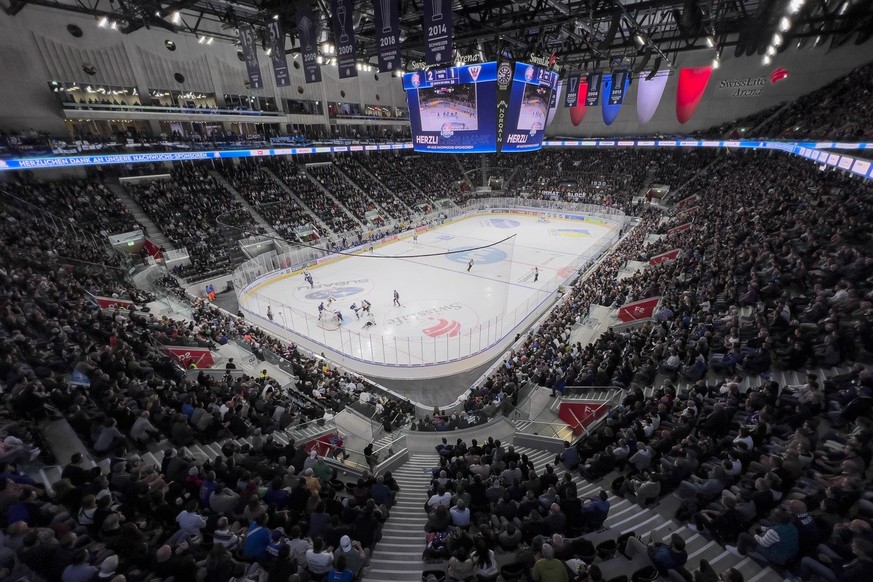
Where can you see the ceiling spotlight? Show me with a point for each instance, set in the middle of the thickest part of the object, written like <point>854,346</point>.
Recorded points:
<point>210,40</point>
<point>269,51</point>
<point>767,60</point>
<point>113,25</point>
<point>784,24</point>
<point>795,6</point>
<point>777,40</point>
<point>177,17</point>
<point>201,39</point>
<point>710,42</point>
<point>275,17</point>
<point>638,38</point>
<point>715,63</point>
<point>103,22</point>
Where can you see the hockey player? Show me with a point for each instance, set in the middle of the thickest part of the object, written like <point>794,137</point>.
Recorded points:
<point>365,306</point>
<point>371,320</point>
<point>269,313</point>
<point>356,309</point>
<point>397,298</point>
<point>339,316</point>
<point>536,274</point>
<point>320,310</point>
<point>308,278</point>
<point>330,300</point>
<point>469,265</point>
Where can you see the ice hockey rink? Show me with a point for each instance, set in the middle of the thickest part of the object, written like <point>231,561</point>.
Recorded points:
<point>460,118</point>
<point>446,314</point>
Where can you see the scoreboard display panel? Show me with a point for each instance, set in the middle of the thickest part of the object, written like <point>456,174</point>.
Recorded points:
<point>529,99</point>
<point>453,110</point>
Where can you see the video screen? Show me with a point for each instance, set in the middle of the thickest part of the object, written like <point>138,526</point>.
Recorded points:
<point>453,110</point>
<point>534,107</point>
<point>454,105</point>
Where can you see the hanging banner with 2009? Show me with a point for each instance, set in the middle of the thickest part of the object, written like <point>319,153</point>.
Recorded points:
<point>344,36</point>
<point>387,19</point>
<point>307,31</point>
<point>437,31</point>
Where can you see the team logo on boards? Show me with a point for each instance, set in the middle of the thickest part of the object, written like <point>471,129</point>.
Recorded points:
<point>487,256</point>
<point>447,327</point>
<point>474,71</point>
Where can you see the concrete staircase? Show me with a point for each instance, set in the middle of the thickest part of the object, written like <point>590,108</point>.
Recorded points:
<point>255,214</point>
<point>364,193</point>
<point>656,523</point>
<point>384,186</point>
<point>153,233</point>
<point>463,172</point>
<point>397,557</point>
<point>315,219</point>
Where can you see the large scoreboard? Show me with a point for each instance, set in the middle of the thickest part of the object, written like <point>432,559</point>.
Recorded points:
<point>482,108</point>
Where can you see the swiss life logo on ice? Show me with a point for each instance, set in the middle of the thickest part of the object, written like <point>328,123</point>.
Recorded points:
<point>779,74</point>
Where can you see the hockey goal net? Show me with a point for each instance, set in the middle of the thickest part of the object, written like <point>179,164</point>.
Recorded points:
<point>329,321</point>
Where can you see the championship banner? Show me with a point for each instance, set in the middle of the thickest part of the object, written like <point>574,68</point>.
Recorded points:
<point>688,201</point>
<point>572,96</point>
<point>276,42</point>
<point>201,357</point>
<point>437,32</point>
<point>664,257</point>
<point>113,303</point>
<point>620,82</point>
<point>679,228</point>
<point>595,81</point>
<point>344,36</point>
<point>250,52</point>
<point>387,20</point>
<point>308,34</point>
<point>643,309</point>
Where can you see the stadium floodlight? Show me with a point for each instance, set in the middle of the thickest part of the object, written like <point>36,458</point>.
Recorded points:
<point>771,50</point>
<point>715,63</point>
<point>710,42</point>
<point>777,40</point>
<point>103,22</point>
<point>177,17</point>
<point>767,60</point>
<point>784,24</point>
<point>638,38</point>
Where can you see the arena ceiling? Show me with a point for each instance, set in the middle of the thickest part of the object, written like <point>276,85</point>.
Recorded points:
<point>582,34</point>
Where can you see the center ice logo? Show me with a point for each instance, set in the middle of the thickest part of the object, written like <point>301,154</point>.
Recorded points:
<point>502,223</point>
<point>335,292</point>
<point>479,256</point>
<point>447,130</point>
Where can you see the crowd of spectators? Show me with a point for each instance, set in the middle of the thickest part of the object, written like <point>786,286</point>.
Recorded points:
<point>260,190</point>
<point>388,169</point>
<point>190,208</point>
<point>839,110</point>
<point>336,183</point>
<point>304,188</point>
<point>377,191</point>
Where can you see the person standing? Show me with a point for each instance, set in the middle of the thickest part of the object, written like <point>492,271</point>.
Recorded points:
<point>469,265</point>
<point>536,274</point>
<point>397,298</point>
<point>269,313</point>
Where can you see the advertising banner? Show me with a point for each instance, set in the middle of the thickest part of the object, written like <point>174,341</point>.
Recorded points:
<point>185,355</point>
<point>642,309</point>
<point>679,228</point>
<point>664,257</point>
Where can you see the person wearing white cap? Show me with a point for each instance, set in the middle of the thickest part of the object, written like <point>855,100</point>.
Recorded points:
<point>108,568</point>
<point>355,555</point>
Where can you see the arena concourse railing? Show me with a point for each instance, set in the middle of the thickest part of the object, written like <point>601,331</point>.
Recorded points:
<point>410,352</point>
